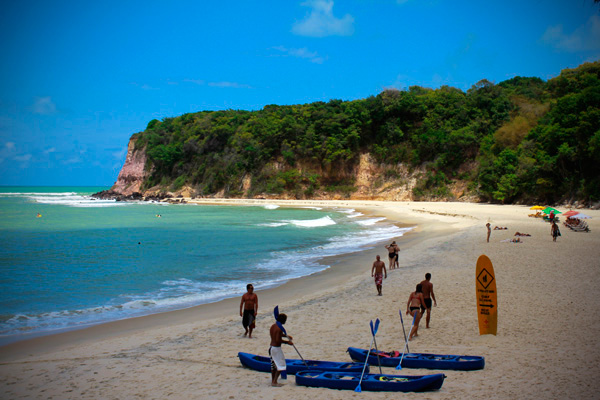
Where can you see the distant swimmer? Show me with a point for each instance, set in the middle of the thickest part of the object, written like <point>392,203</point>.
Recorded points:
<point>38,215</point>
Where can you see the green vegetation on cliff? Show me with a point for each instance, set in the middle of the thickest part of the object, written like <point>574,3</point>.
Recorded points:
<point>523,139</point>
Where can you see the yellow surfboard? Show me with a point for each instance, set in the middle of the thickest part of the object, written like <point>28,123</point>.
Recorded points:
<point>487,300</point>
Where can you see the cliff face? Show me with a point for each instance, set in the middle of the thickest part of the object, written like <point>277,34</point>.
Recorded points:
<point>133,173</point>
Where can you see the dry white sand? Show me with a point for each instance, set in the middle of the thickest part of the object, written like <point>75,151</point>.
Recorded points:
<point>547,344</point>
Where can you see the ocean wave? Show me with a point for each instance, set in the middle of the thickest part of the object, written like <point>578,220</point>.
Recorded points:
<point>38,194</point>
<point>270,206</point>
<point>312,223</point>
<point>274,224</point>
<point>370,221</point>
<point>354,215</point>
<point>74,200</point>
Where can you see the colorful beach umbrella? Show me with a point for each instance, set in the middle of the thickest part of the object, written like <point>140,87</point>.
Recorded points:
<point>548,210</point>
<point>582,216</point>
<point>537,208</point>
<point>570,213</point>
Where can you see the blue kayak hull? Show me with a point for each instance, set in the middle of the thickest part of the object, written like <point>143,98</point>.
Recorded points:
<point>263,364</point>
<point>370,382</point>
<point>420,360</point>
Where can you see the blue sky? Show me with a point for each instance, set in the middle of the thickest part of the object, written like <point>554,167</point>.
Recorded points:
<point>78,78</point>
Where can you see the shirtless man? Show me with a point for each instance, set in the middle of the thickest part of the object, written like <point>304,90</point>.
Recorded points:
<point>427,296</point>
<point>249,309</point>
<point>277,358</point>
<point>377,271</point>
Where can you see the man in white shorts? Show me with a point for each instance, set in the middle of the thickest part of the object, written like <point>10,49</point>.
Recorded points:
<point>277,358</point>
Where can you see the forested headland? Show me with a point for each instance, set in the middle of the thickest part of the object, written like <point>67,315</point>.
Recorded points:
<point>521,140</point>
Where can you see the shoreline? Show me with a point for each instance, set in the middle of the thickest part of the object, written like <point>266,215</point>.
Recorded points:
<point>546,346</point>
<point>288,291</point>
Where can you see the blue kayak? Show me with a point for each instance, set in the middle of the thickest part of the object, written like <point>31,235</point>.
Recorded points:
<point>263,364</point>
<point>418,360</point>
<point>370,382</point>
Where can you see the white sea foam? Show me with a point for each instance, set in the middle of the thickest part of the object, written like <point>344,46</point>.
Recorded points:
<point>370,221</point>
<point>73,200</point>
<point>312,223</point>
<point>271,206</point>
<point>274,224</point>
<point>354,215</point>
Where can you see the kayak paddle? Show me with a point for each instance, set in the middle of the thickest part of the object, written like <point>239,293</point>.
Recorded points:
<point>406,344</point>
<point>403,331</point>
<point>280,325</point>
<point>375,341</point>
<point>374,332</point>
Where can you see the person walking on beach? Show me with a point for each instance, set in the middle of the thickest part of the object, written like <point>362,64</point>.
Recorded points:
<point>554,231</point>
<point>393,250</point>
<point>427,296</point>
<point>249,310</point>
<point>275,352</point>
<point>489,231</point>
<point>377,271</point>
<point>415,304</point>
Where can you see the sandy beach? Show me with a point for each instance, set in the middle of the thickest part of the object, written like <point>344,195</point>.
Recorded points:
<point>547,346</point>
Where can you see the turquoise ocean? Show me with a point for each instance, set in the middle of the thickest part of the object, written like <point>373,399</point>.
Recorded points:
<point>68,261</point>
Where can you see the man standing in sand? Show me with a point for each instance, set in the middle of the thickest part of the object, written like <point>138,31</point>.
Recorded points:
<point>377,271</point>
<point>427,296</point>
<point>249,309</point>
<point>489,230</point>
<point>277,357</point>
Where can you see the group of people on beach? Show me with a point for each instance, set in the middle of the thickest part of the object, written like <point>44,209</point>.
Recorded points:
<point>419,303</point>
<point>554,232</point>
<point>379,272</point>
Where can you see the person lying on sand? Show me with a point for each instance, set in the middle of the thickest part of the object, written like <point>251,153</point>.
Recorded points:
<point>521,234</point>
<point>517,240</point>
<point>500,228</point>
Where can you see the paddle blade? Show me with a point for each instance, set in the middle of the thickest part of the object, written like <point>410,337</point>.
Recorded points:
<point>376,326</point>
<point>358,389</point>
<point>400,312</point>
<point>372,332</point>
<point>276,312</point>
<point>399,366</point>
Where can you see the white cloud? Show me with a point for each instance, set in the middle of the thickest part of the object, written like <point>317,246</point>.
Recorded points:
<point>24,158</point>
<point>312,56</point>
<point>44,105</point>
<point>321,22</point>
<point>196,81</point>
<point>234,85</point>
<point>50,150</point>
<point>224,84</point>
<point>586,37</point>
